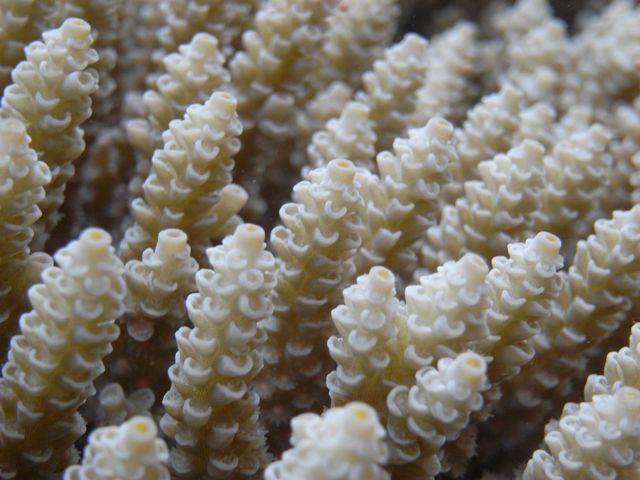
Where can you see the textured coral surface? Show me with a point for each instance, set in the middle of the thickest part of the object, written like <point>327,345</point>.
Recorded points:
<point>319,239</point>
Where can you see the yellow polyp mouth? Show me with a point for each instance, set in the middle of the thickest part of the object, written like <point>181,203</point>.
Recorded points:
<point>474,362</point>
<point>141,427</point>
<point>95,235</point>
<point>361,414</point>
<point>343,164</point>
<point>384,274</point>
<point>551,238</point>
<point>251,228</point>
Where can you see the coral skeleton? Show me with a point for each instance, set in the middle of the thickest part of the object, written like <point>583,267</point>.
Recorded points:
<point>319,239</point>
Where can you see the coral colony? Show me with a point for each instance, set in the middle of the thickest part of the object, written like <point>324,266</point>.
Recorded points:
<point>319,239</point>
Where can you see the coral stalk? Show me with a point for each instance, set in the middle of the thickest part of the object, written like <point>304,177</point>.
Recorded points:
<point>53,362</point>
<point>212,413</point>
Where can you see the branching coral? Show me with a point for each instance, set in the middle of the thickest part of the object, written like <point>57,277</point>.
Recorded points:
<point>598,437</point>
<point>53,362</point>
<point>22,22</point>
<point>51,95</point>
<point>192,74</point>
<point>346,442</point>
<point>358,32</point>
<point>320,235</point>
<point>414,176</point>
<point>391,86</point>
<point>128,451</point>
<point>349,136</point>
<point>159,283</point>
<point>183,19</point>
<point>387,350</point>
<point>275,54</point>
<point>212,413</point>
<point>450,197</point>
<point>117,408</point>
<point>189,185</point>
<point>495,210</point>
<point>448,90</point>
<point>437,407</point>
<point>24,177</point>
